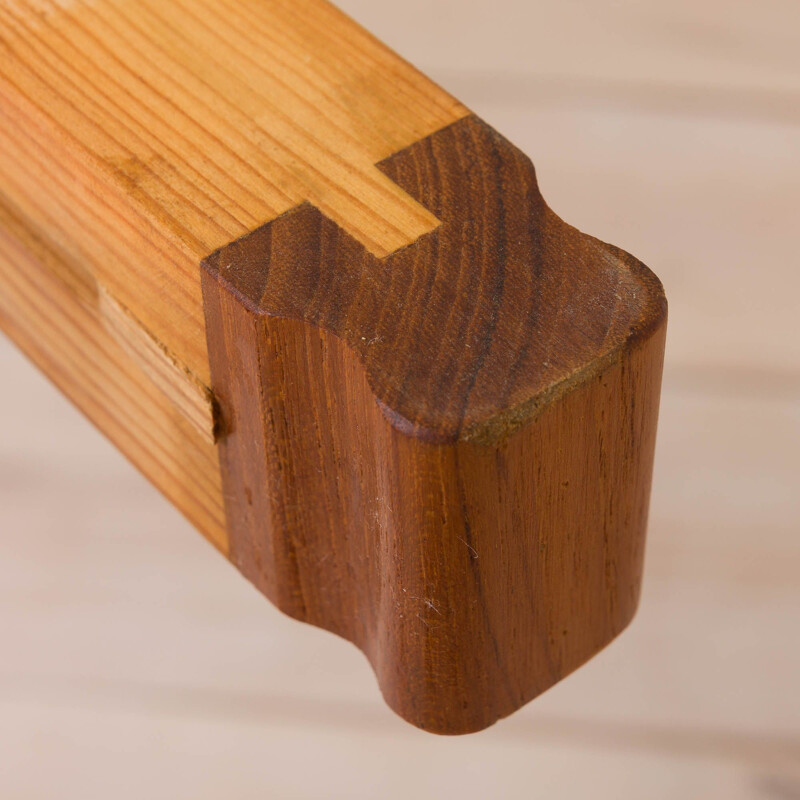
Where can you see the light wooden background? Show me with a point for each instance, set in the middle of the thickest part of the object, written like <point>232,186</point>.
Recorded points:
<point>135,663</point>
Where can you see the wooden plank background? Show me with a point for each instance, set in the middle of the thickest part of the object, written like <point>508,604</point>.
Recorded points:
<point>134,662</point>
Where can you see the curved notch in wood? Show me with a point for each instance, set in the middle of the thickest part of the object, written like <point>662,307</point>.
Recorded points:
<point>442,455</point>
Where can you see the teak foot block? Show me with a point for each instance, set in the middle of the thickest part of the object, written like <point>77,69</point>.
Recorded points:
<point>442,455</point>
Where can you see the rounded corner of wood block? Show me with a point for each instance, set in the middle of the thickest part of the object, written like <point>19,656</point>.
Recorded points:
<point>415,452</point>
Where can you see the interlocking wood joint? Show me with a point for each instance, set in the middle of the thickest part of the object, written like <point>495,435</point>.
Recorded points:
<point>443,454</point>
<point>327,312</point>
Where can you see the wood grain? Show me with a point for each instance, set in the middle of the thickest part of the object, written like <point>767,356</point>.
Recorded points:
<point>66,335</point>
<point>443,455</point>
<point>418,366</point>
<point>148,137</point>
<point>193,399</point>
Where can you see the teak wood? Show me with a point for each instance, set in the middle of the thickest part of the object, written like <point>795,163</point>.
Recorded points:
<point>327,312</point>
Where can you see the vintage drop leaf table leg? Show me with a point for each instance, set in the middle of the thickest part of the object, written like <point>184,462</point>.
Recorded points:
<point>327,312</point>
